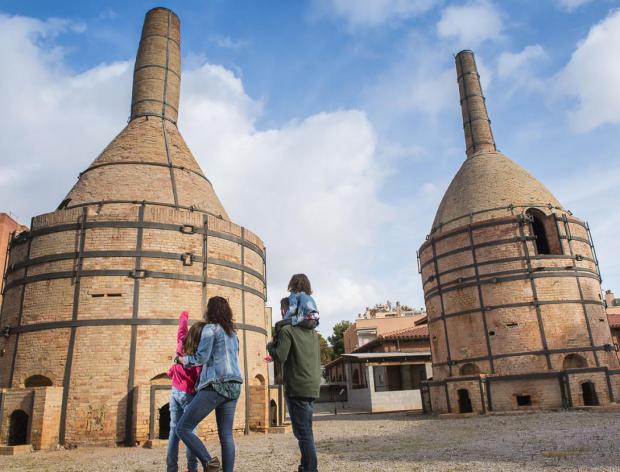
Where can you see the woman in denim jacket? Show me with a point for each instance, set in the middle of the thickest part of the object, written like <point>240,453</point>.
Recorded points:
<point>214,345</point>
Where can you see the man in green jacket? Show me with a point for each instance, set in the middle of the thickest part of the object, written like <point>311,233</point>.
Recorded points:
<point>297,349</point>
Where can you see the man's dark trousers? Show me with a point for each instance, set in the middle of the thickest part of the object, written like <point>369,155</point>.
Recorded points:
<point>300,410</point>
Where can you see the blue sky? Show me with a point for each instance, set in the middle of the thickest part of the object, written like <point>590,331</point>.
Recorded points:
<point>354,101</point>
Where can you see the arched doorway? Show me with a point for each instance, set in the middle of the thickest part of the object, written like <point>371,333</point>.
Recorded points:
<point>258,404</point>
<point>574,361</point>
<point>164,421</point>
<point>588,390</point>
<point>18,428</point>
<point>38,381</point>
<point>273,413</point>
<point>464,401</point>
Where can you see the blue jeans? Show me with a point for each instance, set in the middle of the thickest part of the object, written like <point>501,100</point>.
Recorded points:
<point>203,403</point>
<point>179,401</point>
<point>300,410</point>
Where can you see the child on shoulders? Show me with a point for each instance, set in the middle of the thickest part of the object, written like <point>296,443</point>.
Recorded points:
<point>298,309</point>
<point>302,310</point>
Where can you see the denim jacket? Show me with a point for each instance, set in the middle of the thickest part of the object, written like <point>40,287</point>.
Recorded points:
<point>218,353</point>
<point>301,306</point>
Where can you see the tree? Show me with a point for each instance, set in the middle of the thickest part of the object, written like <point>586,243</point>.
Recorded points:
<point>327,353</point>
<point>337,339</point>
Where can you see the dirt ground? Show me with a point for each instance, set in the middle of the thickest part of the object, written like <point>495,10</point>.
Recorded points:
<point>575,440</point>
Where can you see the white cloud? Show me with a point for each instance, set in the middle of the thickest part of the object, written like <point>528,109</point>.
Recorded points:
<point>510,64</point>
<point>596,200</point>
<point>423,80</point>
<point>471,24</point>
<point>372,13</point>
<point>592,76</point>
<point>571,5</point>
<point>517,68</point>
<point>226,42</point>
<point>309,189</point>
<point>56,121</point>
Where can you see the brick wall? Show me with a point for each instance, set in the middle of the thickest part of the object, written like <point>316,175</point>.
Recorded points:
<point>97,393</point>
<point>516,331</point>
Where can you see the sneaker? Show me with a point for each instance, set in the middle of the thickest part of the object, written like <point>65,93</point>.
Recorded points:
<point>213,465</point>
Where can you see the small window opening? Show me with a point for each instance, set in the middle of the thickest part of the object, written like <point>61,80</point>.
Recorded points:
<point>545,232</point>
<point>101,295</point>
<point>524,400</point>
<point>512,324</point>
<point>491,333</point>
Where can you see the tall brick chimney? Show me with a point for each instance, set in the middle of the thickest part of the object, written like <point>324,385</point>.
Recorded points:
<point>157,72</point>
<point>476,123</point>
<point>93,291</point>
<point>609,297</point>
<point>511,285</point>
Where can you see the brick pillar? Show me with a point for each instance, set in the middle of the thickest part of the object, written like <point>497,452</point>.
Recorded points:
<point>46,417</point>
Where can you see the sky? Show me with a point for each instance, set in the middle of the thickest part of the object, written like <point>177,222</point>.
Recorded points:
<point>330,128</point>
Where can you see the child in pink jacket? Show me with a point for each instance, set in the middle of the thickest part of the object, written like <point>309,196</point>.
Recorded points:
<point>183,382</point>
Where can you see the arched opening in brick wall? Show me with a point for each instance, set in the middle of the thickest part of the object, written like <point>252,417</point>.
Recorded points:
<point>164,421</point>
<point>38,381</point>
<point>18,428</point>
<point>464,401</point>
<point>273,413</point>
<point>469,369</point>
<point>160,379</point>
<point>258,403</point>
<point>544,229</point>
<point>574,361</point>
<point>588,391</point>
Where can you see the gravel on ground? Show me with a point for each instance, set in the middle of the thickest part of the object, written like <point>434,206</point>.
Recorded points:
<point>567,441</point>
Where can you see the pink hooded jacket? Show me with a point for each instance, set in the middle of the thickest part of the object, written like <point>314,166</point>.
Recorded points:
<point>183,379</point>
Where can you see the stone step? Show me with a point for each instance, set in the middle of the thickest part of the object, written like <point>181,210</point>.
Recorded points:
<point>15,450</point>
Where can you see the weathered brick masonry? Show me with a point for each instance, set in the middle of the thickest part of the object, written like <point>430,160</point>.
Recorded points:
<point>512,287</point>
<point>94,289</point>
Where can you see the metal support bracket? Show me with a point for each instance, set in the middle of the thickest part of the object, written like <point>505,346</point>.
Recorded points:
<point>187,229</point>
<point>188,259</point>
<point>138,274</point>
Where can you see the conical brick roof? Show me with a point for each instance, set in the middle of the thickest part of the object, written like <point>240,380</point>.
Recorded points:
<point>488,184</point>
<point>149,160</point>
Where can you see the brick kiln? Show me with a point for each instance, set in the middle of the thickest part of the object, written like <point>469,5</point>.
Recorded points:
<point>512,287</point>
<point>94,289</point>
